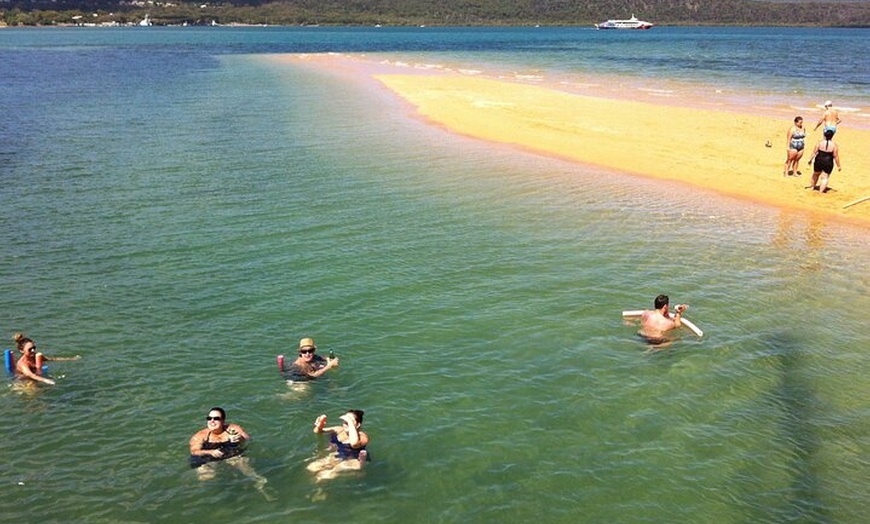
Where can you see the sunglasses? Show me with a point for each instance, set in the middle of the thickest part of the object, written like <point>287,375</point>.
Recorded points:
<point>305,351</point>
<point>214,418</point>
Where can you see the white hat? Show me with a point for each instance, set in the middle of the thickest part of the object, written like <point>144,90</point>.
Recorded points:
<point>828,103</point>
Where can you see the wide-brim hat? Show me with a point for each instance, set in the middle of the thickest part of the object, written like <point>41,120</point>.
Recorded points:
<point>828,103</point>
<point>307,343</point>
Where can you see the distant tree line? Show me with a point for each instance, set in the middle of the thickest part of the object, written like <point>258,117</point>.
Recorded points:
<point>438,12</point>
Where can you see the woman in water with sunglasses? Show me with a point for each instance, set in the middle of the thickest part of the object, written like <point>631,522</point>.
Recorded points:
<point>29,365</point>
<point>220,441</point>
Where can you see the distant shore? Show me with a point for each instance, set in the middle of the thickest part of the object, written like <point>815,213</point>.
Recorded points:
<point>103,20</point>
<point>415,13</point>
<point>723,151</point>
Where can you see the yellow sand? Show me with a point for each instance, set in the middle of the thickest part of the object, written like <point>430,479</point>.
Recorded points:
<point>717,150</point>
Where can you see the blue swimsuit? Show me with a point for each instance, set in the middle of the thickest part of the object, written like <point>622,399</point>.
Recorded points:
<point>797,140</point>
<point>344,450</point>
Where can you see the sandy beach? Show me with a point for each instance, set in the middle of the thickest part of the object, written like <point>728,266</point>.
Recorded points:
<point>718,150</point>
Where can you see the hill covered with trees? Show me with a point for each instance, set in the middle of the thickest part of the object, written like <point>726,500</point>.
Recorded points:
<point>438,12</point>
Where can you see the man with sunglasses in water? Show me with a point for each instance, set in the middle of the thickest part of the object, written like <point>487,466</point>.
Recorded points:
<point>309,365</point>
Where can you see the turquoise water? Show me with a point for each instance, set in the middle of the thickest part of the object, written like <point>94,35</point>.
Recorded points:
<point>179,211</point>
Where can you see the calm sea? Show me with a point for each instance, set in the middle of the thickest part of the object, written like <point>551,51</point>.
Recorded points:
<point>179,211</point>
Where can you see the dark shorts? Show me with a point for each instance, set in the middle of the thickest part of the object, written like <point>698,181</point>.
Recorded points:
<point>196,461</point>
<point>654,341</point>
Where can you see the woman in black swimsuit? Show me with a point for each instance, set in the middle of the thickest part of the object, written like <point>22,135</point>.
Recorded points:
<point>220,441</point>
<point>825,155</point>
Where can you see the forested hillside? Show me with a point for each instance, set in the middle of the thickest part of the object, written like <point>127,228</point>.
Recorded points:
<point>441,12</point>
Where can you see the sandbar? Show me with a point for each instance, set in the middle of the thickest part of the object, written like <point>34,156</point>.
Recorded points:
<point>725,151</point>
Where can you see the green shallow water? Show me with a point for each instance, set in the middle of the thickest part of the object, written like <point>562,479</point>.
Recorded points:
<point>179,238</point>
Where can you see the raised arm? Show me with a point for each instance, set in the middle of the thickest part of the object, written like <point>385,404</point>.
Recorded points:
<point>678,314</point>
<point>320,426</point>
<point>330,363</point>
<point>353,436</point>
<point>237,430</point>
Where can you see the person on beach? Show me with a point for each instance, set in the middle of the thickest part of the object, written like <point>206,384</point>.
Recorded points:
<point>348,441</point>
<point>830,118</point>
<point>220,441</point>
<point>794,140</point>
<point>655,323</point>
<point>825,155</point>
<point>308,365</point>
<point>29,365</point>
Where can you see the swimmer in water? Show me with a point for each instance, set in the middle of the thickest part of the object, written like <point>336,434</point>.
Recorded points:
<point>309,365</point>
<point>656,323</point>
<point>29,365</point>
<point>222,442</point>
<point>348,441</point>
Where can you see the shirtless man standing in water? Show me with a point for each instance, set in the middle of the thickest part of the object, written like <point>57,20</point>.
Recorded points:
<point>656,322</point>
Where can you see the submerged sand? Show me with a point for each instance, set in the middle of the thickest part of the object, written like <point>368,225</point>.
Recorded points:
<point>719,150</point>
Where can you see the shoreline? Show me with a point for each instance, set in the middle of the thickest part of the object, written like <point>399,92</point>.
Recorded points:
<point>693,142</point>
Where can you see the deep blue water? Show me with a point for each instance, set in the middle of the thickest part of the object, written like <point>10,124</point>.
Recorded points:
<point>765,57</point>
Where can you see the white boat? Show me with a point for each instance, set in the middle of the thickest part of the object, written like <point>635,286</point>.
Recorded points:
<point>631,23</point>
<point>145,22</point>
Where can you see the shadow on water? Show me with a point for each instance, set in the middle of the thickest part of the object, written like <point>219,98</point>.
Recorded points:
<point>793,399</point>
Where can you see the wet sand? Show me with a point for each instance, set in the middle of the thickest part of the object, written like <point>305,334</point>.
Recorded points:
<point>724,151</point>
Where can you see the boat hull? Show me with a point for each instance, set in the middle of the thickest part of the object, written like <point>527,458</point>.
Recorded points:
<point>642,27</point>
<point>631,23</point>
